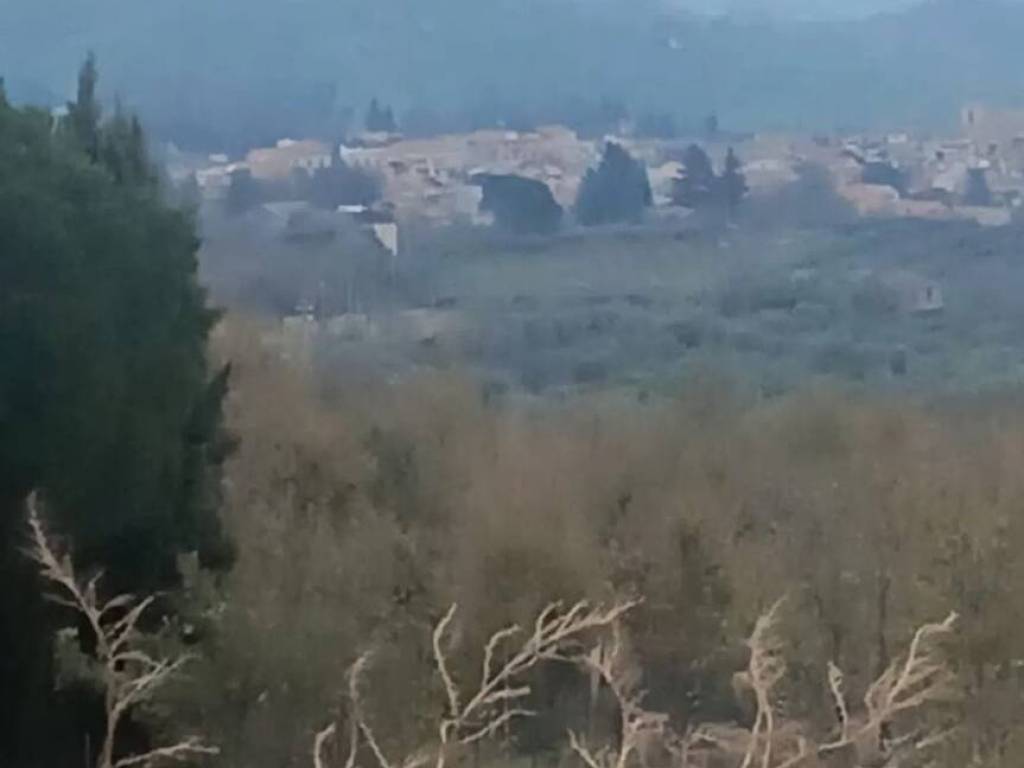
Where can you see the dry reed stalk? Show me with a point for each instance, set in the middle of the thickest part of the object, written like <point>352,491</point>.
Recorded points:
<point>129,675</point>
<point>495,700</point>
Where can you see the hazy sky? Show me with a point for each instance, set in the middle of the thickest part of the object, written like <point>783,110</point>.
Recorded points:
<point>817,9</point>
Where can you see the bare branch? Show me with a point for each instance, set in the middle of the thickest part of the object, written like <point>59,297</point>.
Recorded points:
<point>767,667</point>
<point>496,639</point>
<point>129,674</point>
<point>922,677</point>
<point>493,703</point>
<point>450,689</point>
<point>179,752</point>
<point>321,738</point>
<point>581,749</point>
<point>371,741</point>
<point>835,687</point>
<point>492,727</point>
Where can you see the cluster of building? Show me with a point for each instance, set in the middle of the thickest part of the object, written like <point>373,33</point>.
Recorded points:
<point>977,175</point>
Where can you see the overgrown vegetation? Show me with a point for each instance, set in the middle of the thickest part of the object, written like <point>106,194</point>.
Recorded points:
<point>108,407</point>
<point>390,534</point>
<point>699,188</point>
<point>617,190</point>
<point>363,514</point>
<point>519,205</point>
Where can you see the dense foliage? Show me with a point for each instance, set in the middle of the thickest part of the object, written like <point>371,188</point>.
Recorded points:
<point>617,190</point>
<point>361,515</point>
<point>699,188</point>
<point>380,119</point>
<point>520,205</point>
<point>325,187</point>
<point>107,404</point>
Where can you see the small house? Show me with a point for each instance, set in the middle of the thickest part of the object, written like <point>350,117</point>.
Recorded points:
<point>913,293</point>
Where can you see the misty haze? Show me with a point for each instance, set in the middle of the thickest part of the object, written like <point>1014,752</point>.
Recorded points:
<point>511,384</point>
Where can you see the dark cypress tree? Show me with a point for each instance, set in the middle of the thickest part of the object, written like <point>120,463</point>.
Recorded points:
<point>123,150</point>
<point>341,184</point>
<point>618,190</point>
<point>520,205</point>
<point>977,191</point>
<point>108,409</point>
<point>697,186</point>
<point>373,118</point>
<point>884,173</point>
<point>84,113</point>
<point>732,184</point>
<point>711,126</point>
<point>380,119</point>
<point>244,193</point>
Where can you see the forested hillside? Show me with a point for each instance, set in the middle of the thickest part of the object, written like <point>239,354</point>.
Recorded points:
<point>233,73</point>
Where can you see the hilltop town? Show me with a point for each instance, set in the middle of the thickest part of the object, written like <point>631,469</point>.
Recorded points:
<point>977,174</point>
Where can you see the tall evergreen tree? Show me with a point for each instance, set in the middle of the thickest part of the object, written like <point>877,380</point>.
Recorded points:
<point>696,187</point>
<point>711,126</point>
<point>884,173</point>
<point>108,409</point>
<point>618,190</point>
<point>380,119</point>
<point>732,183</point>
<point>340,184</point>
<point>520,205</point>
<point>85,113</point>
<point>123,151</point>
<point>372,115</point>
<point>244,193</point>
<point>977,191</point>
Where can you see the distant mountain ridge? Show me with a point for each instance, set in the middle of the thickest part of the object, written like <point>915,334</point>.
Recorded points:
<point>241,70</point>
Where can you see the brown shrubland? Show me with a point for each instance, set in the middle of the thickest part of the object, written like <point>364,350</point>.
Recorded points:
<point>364,509</point>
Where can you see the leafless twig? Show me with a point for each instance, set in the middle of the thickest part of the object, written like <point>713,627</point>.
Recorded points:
<point>129,675</point>
<point>498,696</point>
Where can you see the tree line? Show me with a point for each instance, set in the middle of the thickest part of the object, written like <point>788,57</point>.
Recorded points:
<point>617,190</point>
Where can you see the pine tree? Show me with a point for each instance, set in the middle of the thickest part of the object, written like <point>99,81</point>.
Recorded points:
<point>617,190</point>
<point>732,183</point>
<point>373,115</point>
<point>244,193</point>
<point>711,126</point>
<point>697,186</point>
<point>977,191</point>
<point>108,408</point>
<point>84,113</point>
<point>123,150</point>
<point>380,119</point>
<point>520,205</point>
